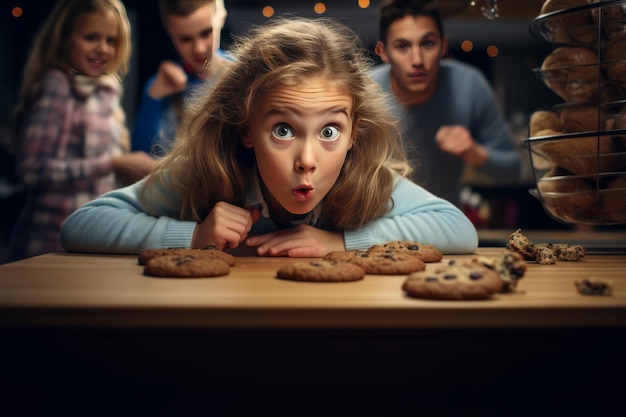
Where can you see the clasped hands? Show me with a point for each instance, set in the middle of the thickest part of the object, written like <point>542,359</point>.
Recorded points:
<point>227,226</point>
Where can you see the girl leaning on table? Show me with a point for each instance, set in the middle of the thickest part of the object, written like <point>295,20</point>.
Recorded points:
<point>70,141</point>
<point>293,153</point>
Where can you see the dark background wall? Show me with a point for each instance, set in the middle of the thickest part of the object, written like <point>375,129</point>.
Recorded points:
<point>519,90</point>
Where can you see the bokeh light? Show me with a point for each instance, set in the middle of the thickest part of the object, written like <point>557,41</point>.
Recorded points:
<point>17,11</point>
<point>467,45</point>
<point>268,11</point>
<point>319,8</point>
<point>493,51</point>
<point>364,4</point>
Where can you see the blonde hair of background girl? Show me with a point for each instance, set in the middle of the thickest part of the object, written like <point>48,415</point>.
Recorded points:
<point>208,162</point>
<point>50,48</point>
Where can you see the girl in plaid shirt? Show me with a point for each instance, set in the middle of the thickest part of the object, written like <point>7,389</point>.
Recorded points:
<point>70,137</point>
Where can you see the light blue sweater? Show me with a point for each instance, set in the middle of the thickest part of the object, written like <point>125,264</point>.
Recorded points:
<point>117,222</point>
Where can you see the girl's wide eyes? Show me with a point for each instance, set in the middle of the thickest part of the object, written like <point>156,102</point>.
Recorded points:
<point>329,133</point>
<point>283,131</point>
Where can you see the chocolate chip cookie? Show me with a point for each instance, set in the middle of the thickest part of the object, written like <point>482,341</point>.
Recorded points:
<point>321,271</point>
<point>511,267</point>
<point>454,282</point>
<point>380,263</point>
<point>427,253</point>
<point>209,252</point>
<point>186,266</point>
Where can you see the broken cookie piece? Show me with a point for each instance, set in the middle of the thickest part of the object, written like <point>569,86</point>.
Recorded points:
<point>594,286</point>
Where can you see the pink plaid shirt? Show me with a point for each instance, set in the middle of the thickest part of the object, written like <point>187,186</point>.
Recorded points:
<point>68,137</point>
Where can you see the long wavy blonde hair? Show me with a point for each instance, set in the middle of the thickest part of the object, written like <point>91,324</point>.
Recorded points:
<point>50,48</point>
<point>208,162</point>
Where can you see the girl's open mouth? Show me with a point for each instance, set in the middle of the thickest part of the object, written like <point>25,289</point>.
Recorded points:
<point>303,193</point>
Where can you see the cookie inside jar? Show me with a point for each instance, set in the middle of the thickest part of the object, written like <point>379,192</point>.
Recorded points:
<point>584,199</point>
<point>577,149</point>
<point>589,140</point>
<point>575,75</point>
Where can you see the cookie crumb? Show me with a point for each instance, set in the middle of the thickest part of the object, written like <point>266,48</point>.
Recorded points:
<point>521,244</point>
<point>594,286</point>
<point>567,252</point>
<point>545,256</point>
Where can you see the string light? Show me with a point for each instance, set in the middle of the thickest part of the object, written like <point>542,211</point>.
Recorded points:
<point>493,51</point>
<point>268,11</point>
<point>319,8</point>
<point>467,45</point>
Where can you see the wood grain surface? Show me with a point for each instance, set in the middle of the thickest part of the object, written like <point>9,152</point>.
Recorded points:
<point>61,289</point>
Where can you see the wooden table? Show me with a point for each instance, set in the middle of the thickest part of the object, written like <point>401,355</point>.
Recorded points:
<point>72,290</point>
<point>249,343</point>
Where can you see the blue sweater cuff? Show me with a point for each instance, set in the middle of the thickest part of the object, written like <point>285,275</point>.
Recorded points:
<point>179,234</point>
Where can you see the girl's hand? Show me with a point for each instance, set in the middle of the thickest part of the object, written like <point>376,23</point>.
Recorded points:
<point>226,226</point>
<point>302,241</point>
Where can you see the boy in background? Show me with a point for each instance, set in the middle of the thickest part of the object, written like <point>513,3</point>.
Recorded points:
<point>194,28</point>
